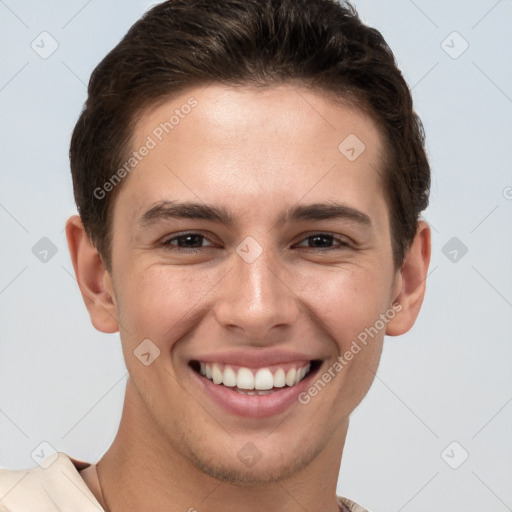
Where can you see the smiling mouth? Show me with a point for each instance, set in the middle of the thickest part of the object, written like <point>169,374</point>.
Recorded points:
<point>255,381</point>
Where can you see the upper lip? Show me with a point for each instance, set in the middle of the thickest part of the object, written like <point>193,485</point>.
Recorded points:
<point>254,359</point>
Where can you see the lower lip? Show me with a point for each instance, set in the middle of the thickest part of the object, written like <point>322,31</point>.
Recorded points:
<point>253,406</point>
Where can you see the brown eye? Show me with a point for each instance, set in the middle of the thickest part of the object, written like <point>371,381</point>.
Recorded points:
<point>324,241</point>
<point>186,242</point>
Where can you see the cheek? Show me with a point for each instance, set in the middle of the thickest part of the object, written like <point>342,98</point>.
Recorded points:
<point>157,303</point>
<point>347,301</point>
<point>351,308</point>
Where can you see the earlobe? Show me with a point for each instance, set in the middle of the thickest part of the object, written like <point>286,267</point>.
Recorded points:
<point>412,278</point>
<point>92,277</point>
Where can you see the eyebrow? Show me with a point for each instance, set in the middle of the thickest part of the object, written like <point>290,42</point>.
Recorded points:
<point>164,210</point>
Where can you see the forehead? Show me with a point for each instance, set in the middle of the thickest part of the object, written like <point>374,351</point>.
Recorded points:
<point>241,145</point>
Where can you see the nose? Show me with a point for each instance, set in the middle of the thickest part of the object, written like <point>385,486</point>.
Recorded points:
<point>257,298</point>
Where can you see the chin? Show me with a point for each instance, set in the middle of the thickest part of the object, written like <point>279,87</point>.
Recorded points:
<point>251,467</point>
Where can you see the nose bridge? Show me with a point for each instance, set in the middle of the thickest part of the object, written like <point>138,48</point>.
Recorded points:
<point>256,297</point>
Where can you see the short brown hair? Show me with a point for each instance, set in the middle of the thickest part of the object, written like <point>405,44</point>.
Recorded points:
<point>179,44</point>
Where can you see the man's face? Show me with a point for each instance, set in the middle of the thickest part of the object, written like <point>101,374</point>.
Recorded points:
<point>261,296</point>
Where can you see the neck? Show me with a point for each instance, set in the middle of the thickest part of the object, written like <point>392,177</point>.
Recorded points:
<point>143,471</point>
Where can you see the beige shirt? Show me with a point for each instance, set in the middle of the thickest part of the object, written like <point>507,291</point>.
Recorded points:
<point>59,487</point>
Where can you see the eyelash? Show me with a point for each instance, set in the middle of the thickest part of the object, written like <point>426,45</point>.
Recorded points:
<point>167,243</point>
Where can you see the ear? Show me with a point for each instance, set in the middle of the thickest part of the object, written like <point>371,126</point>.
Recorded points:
<point>411,280</point>
<point>92,277</point>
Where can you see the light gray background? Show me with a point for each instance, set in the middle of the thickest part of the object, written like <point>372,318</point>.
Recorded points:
<point>447,380</point>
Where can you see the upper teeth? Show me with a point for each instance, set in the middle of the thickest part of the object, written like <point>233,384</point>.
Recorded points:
<point>244,378</point>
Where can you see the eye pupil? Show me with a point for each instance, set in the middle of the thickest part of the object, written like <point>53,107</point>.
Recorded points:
<point>188,238</point>
<point>329,239</point>
<point>186,241</point>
